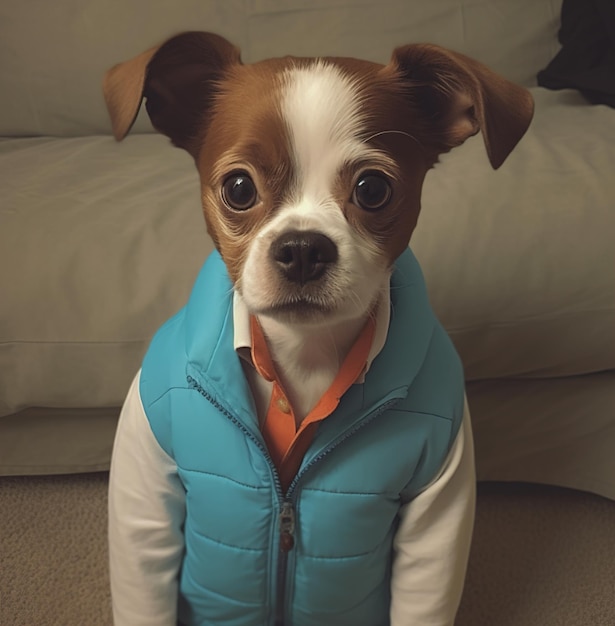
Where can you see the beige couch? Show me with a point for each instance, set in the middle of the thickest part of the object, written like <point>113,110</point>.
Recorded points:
<point>100,241</point>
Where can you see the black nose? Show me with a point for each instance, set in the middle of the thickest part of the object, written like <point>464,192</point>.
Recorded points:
<point>303,255</point>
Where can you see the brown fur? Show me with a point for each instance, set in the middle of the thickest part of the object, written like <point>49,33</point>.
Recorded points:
<point>423,103</point>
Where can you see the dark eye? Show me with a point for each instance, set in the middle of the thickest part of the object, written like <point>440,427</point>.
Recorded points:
<point>372,191</point>
<point>239,191</point>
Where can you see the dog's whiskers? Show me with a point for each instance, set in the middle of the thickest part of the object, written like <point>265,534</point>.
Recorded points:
<point>393,132</point>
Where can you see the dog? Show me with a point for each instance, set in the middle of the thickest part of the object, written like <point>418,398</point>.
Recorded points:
<point>296,449</point>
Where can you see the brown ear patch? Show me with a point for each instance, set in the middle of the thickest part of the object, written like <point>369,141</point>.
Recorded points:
<point>123,90</point>
<point>178,80</point>
<point>458,96</point>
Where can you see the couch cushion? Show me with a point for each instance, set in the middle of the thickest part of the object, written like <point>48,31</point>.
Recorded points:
<point>101,242</point>
<point>514,37</point>
<point>557,431</point>
<point>53,54</point>
<point>520,263</point>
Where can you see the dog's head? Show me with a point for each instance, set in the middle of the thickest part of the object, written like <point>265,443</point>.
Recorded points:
<point>311,169</point>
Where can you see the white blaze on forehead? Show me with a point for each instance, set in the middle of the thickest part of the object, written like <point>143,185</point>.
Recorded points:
<point>322,109</point>
<point>324,112</point>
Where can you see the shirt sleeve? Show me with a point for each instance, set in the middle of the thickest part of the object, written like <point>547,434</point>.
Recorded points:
<point>433,540</point>
<point>146,515</point>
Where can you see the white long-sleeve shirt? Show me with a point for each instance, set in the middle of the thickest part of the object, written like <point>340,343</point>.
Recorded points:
<point>146,515</point>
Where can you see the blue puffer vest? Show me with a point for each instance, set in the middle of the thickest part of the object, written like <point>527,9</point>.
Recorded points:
<point>319,554</point>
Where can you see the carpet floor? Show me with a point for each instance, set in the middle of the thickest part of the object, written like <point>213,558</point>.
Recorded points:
<point>541,556</point>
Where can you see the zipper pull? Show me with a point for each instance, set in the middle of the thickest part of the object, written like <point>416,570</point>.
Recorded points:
<point>287,527</point>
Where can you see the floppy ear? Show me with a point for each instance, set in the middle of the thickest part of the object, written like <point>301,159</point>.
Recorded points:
<point>177,79</point>
<point>458,96</point>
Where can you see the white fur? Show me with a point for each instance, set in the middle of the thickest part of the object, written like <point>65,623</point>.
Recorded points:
<point>309,358</point>
<point>322,109</point>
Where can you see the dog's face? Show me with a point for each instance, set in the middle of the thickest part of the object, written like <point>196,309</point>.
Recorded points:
<point>311,169</point>
<point>308,195</point>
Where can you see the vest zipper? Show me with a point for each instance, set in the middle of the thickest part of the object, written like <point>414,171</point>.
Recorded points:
<point>287,543</point>
<point>286,515</point>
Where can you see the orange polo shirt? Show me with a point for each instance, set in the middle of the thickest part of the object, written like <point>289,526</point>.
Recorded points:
<point>286,443</point>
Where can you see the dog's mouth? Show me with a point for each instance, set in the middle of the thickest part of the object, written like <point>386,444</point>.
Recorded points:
<point>297,309</point>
